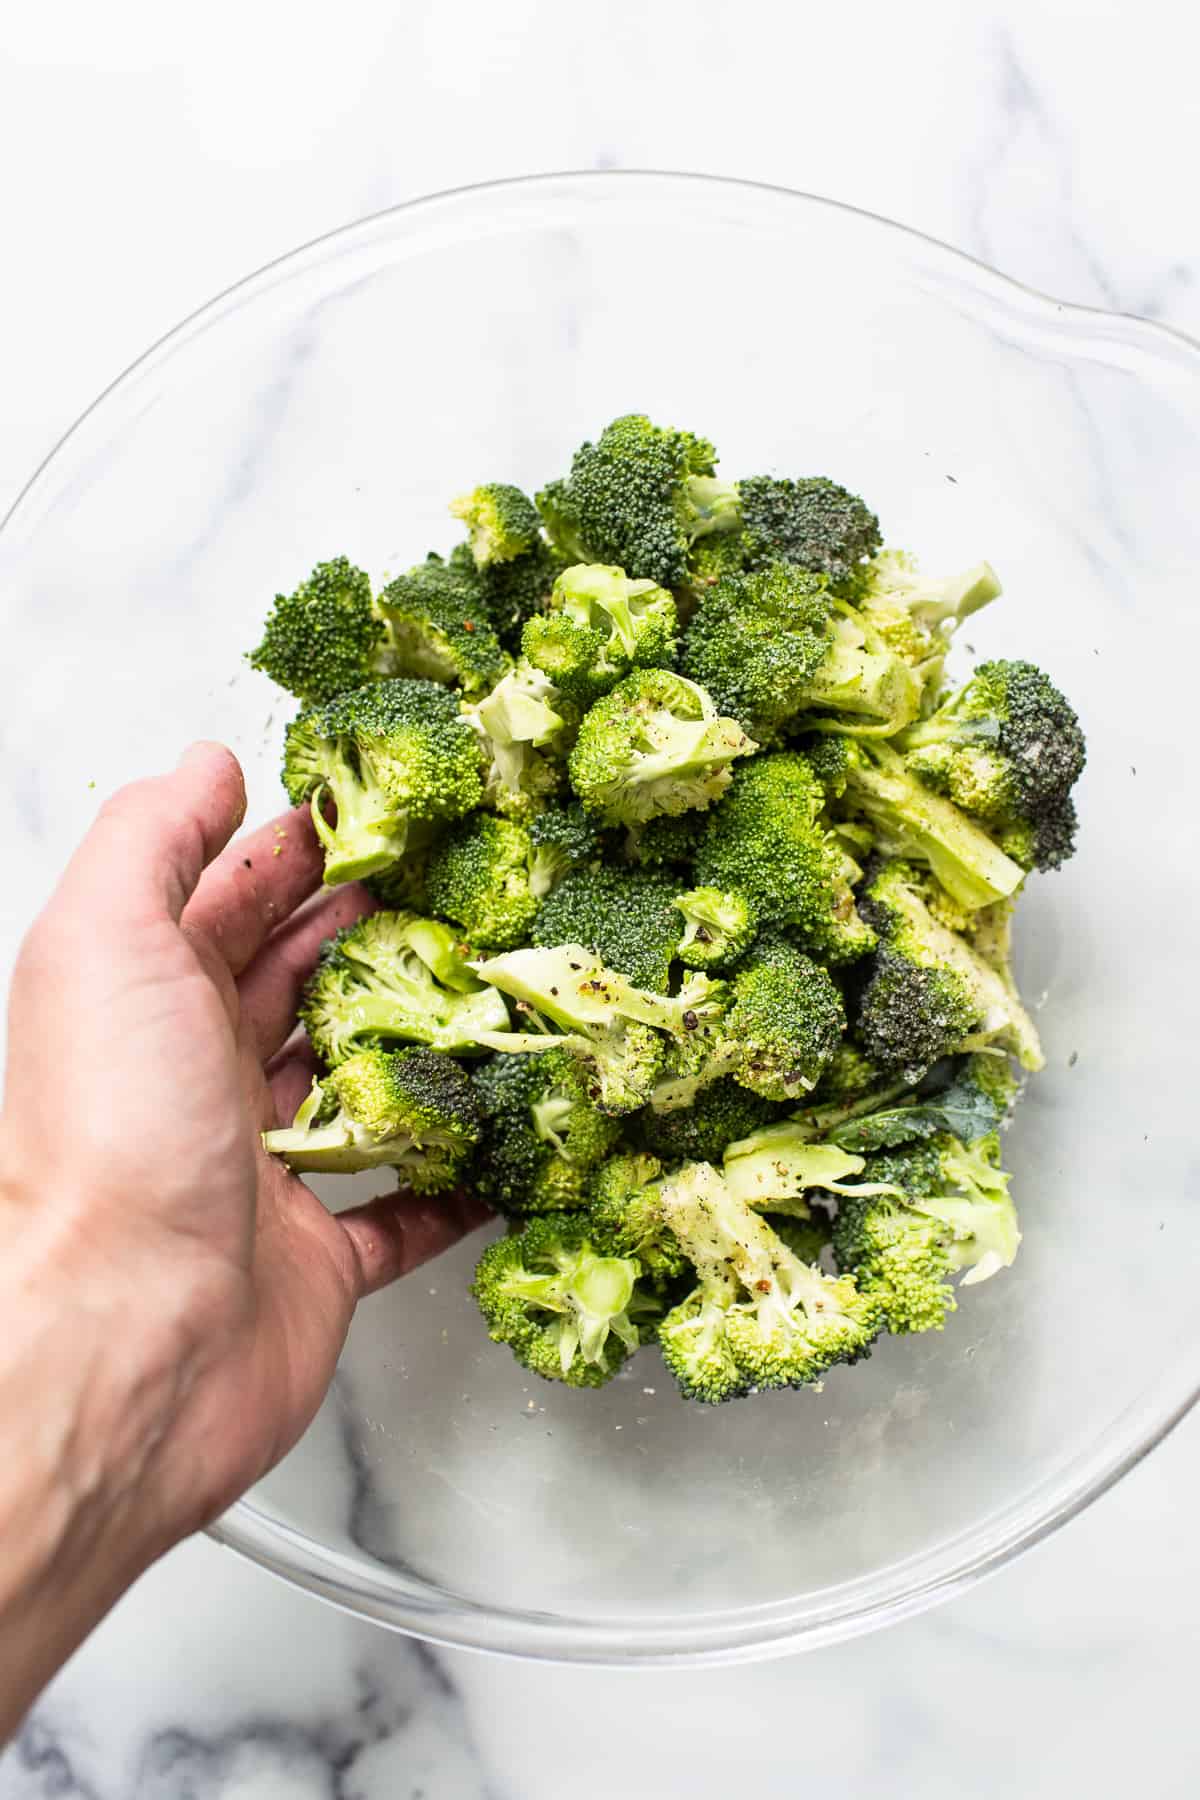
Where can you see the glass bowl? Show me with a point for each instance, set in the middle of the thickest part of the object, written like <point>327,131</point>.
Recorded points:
<point>331,404</point>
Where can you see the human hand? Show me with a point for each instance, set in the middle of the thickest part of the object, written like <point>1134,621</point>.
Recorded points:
<point>184,1296</point>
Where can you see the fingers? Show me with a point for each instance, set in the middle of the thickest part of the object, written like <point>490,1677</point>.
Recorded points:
<point>393,1235</point>
<point>271,987</point>
<point>254,885</point>
<point>151,841</point>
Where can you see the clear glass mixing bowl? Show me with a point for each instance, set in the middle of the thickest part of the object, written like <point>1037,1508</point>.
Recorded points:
<point>331,404</point>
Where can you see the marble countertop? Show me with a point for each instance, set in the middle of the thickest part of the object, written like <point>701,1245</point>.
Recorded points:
<point>161,154</point>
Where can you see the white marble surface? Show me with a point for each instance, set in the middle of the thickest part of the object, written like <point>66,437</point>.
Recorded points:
<point>154,155</point>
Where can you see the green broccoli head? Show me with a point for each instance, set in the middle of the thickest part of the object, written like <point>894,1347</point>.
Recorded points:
<point>655,744</point>
<point>478,876</point>
<point>717,927</point>
<point>501,521</point>
<point>518,728</point>
<point>813,523</point>
<point>1007,748</point>
<point>598,627</point>
<point>639,497</point>
<point>562,838</point>
<point>384,755</point>
<point>396,978</point>
<point>545,1137</point>
<point>565,1311</point>
<point>756,641</point>
<point>916,616</point>
<point>410,1110</point>
<point>626,1218</point>
<point>720,1114</point>
<point>665,842</point>
<point>325,637</point>
<point>512,592</point>
<point>765,842</point>
<point>787,1017</point>
<point>627,917</point>
<point>439,629</point>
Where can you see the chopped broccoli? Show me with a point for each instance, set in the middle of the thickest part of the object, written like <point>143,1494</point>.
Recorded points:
<point>511,591</point>
<point>545,1135</point>
<point>439,629</point>
<point>813,523</point>
<point>778,1165</point>
<point>518,725</point>
<point>563,838</point>
<point>599,626</point>
<point>564,1310</point>
<point>916,617</point>
<point>968,1098</point>
<point>396,978</point>
<point>655,744</point>
<point>639,497</point>
<point>625,1217</point>
<point>717,927</point>
<point>786,1020</point>
<point>409,1110</point>
<point>627,917</point>
<point>665,841</point>
<point>1008,749</point>
<point>478,876</point>
<point>502,522</point>
<point>325,637</point>
<point>720,1114</point>
<point>385,755</point>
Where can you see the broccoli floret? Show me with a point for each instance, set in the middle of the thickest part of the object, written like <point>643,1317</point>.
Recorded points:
<point>773,644</point>
<point>870,780</point>
<point>503,522</point>
<point>720,1114</point>
<point>626,917</point>
<point>759,1317</point>
<point>393,978</point>
<point>518,726</point>
<point>626,1218</point>
<point>325,637</point>
<point>774,1168</point>
<point>544,1135</point>
<point>439,630</point>
<point>385,755</point>
<point>765,842</point>
<point>717,927</point>
<point>639,497</point>
<point>410,1110</point>
<point>786,1019</point>
<point>617,1030</point>
<point>953,1212</point>
<point>598,627</point>
<point>564,1310</point>
<point>916,616</point>
<point>1008,749</point>
<point>563,838</point>
<point>929,992</point>
<point>664,842</point>
<point>813,523</point>
<point>512,591</point>
<point>656,744</point>
<point>478,876</point>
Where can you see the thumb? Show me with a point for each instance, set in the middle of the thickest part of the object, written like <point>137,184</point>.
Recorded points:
<point>152,840</point>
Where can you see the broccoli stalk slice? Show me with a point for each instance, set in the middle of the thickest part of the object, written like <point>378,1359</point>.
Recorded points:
<point>874,684</point>
<point>408,1110</point>
<point>572,987</point>
<point>369,833</point>
<point>780,1164</point>
<point>591,1293</point>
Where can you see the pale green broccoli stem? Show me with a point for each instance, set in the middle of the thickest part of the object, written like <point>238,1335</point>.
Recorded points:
<point>368,837</point>
<point>592,1293</point>
<point>777,1166</point>
<point>714,504</point>
<point>875,685</point>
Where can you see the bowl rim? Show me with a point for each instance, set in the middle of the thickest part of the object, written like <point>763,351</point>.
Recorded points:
<point>899,1591</point>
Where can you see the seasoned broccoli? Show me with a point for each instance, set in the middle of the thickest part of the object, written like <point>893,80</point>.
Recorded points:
<point>599,626</point>
<point>544,1134</point>
<point>665,841</point>
<point>717,927</point>
<point>626,917</point>
<point>396,978</point>
<point>655,744</point>
<point>1008,749</point>
<point>968,1097</point>
<point>325,637</point>
<point>478,876</point>
<point>385,755</point>
<point>778,1165</point>
<point>511,591</point>
<point>765,842</point>
<point>759,1317</point>
<point>813,523</point>
<point>786,1019</point>
<point>625,1218</point>
<point>639,497</point>
<point>915,616</point>
<point>720,1114</point>
<point>439,630</point>
<point>953,1212</point>
<point>564,1310</point>
<point>409,1110</point>
<point>502,522</point>
<point>517,726</point>
<point>929,992</point>
<point>776,643</point>
<point>562,838</point>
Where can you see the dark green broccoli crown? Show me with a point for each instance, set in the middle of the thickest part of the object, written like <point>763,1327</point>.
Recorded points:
<point>439,628</point>
<point>626,916</point>
<point>831,757</point>
<point>764,841</point>
<point>566,830</point>
<point>847,1074</point>
<point>511,591</point>
<point>755,641</point>
<point>562,1308</point>
<point>413,1092</point>
<point>787,1017</point>
<point>721,1114</point>
<point>916,1005</point>
<point>545,1137</point>
<point>665,842</point>
<point>324,637</point>
<point>502,521</point>
<point>478,876</point>
<point>626,500</point>
<point>812,522</point>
